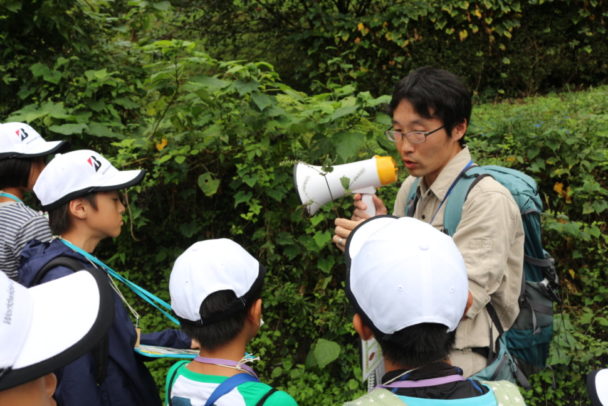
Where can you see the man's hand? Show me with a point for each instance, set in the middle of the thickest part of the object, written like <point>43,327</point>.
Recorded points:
<point>360,207</point>
<point>345,226</point>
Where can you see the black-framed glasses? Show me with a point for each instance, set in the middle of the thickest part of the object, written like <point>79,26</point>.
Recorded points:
<point>413,137</point>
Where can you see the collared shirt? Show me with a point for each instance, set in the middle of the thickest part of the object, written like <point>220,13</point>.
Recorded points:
<point>490,237</point>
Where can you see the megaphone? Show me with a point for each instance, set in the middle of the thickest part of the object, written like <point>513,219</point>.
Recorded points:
<point>317,186</point>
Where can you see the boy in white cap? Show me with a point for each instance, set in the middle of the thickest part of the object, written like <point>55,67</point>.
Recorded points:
<point>46,327</point>
<point>215,291</point>
<point>80,191</point>
<point>22,158</point>
<point>408,284</point>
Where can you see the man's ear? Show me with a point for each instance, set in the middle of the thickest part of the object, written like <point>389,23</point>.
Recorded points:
<point>364,331</point>
<point>459,130</point>
<point>468,306</point>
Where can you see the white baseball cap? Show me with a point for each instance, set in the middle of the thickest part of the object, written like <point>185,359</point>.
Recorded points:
<point>210,266</point>
<point>45,327</point>
<point>19,140</point>
<point>403,272</point>
<point>78,173</point>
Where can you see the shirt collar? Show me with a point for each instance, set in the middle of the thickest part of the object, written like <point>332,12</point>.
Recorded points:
<point>447,175</point>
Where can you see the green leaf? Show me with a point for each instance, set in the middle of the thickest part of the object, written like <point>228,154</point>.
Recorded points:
<point>326,263</point>
<point>345,182</point>
<point>213,84</point>
<point>41,70</point>
<point>242,197</point>
<point>343,111</point>
<point>208,184</point>
<point>245,87</point>
<point>261,100</point>
<point>188,229</point>
<point>321,238</point>
<point>348,144</point>
<point>68,129</point>
<point>101,130</point>
<point>161,5</point>
<point>324,352</point>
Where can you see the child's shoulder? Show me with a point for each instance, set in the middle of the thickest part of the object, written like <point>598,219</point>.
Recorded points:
<point>273,397</point>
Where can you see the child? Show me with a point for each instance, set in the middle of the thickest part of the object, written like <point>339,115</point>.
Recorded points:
<point>215,291</point>
<point>22,154</point>
<point>408,284</point>
<point>46,327</point>
<point>80,191</point>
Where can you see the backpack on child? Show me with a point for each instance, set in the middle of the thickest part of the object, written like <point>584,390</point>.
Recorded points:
<point>528,339</point>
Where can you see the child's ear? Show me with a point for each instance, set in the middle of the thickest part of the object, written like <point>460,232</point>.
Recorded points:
<point>255,312</point>
<point>78,208</point>
<point>364,332</point>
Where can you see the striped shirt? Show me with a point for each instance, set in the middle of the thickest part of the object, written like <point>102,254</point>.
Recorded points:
<point>18,225</point>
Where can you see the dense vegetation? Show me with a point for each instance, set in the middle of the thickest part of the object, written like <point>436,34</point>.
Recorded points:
<point>219,139</point>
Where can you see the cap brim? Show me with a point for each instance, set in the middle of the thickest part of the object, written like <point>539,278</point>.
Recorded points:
<point>70,316</point>
<point>120,180</point>
<point>39,149</point>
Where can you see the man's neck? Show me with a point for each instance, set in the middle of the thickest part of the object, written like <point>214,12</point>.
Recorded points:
<point>430,178</point>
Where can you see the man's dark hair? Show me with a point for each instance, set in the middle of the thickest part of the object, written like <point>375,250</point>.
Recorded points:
<point>435,93</point>
<point>418,345</point>
<point>221,331</point>
<point>59,217</point>
<point>15,172</point>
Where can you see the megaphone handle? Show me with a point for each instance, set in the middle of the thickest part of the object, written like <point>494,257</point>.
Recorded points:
<point>367,198</point>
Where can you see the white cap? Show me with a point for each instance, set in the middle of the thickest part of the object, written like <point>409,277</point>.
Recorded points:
<point>45,327</point>
<point>403,272</point>
<point>19,140</point>
<point>207,267</point>
<point>597,387</point>
<point>78,173</point>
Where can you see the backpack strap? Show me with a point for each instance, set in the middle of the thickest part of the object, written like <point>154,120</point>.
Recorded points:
<point>265,397</point>
<point>171,377</point>
<point>412,198</point>
<point>453,206</point>
<point>101,350</point>
<point>228,385</point>
<point>62,260</point>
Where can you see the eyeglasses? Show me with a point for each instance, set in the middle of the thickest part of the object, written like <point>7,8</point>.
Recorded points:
<point>413,137</point>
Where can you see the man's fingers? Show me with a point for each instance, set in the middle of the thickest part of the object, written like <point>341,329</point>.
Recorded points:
<point>346,224</point>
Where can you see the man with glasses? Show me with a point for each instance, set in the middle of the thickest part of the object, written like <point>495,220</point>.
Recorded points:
<point>431,110</point>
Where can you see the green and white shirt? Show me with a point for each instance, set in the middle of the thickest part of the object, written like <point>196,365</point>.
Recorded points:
<point>187,388</point>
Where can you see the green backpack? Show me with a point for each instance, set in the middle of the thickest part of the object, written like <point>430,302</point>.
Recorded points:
<point>529,338</point>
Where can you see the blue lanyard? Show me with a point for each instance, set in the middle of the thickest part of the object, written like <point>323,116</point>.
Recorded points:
<point>450,190</point>
<point>11,196</point>
<point>138,290</point>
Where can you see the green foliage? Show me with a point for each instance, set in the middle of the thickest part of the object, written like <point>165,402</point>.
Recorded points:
<point>219,139</point>
<point>374,43</point>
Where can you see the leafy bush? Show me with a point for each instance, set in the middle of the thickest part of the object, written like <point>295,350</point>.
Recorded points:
<point>511,47</point>
<point>219,140</point>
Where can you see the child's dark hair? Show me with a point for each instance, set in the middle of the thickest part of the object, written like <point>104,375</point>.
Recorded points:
<point>15,172</point>
<point>418,345</point>
<point>59,217</point>
<point>435,93</point>
<point>217,331</point>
